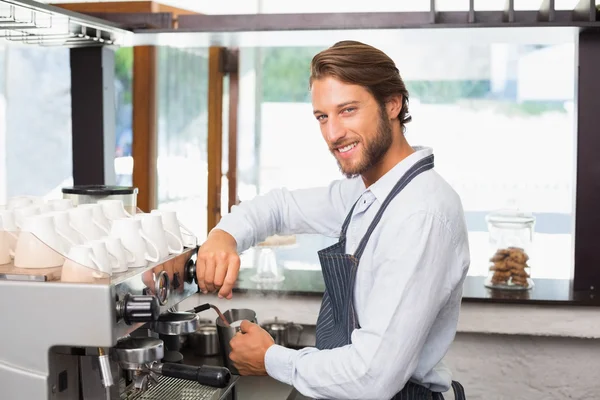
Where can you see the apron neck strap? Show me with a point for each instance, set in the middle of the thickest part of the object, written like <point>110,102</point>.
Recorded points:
<point>420,166</point>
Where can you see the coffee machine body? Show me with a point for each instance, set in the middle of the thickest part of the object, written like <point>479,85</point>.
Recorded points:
<point>60,339</point>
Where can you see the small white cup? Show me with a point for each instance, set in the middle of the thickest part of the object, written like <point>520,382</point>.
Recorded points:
<point>18,202</point>
<point>129,230</point>
<point>8,238</point>
<point>21,213</point>
<point>153,227</point>
<point>61,204</point>
<point>98,216</point>
<point>81,265</point>
<point>83,223</point>
<point>7,224</point>
<point>106,261</point>
<point>38,245</point>
<point>114,209</point>
<point>63,227</point>
<point>124,257</point>
<point>173,228</point>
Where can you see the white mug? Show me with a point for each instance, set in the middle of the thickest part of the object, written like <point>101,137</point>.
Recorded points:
<point>114,209</point>
<point>124,257</point>
<point>61,204</point>
<point>62,224</point>
<point>173,228</point>
<point>18,202</point>
<point>8,238</point>
<point>153,227</point>
<point>129,230</point>
<point>81,265</point>
<point>82,222</point>
<point>7,224</point>
<point>106,261</point>
<point>98,216</point>
<point>21,213</point>
<point>39,245</point>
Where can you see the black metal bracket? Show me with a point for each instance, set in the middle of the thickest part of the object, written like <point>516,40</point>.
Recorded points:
<point>229,61</point>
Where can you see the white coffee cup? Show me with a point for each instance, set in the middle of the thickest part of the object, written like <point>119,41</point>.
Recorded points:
<point>23,212</point>
<point>114,209</point>
<point>81,265</point>
<point>6,254</point>
<point>7,224</point>
<point>38,245</point>
<point>82,222</point>
<point>129,230</point>
<point>153,227</point>
<point>18,202</point>
<point>124,257</point>
<point>8,238</point>
<point>98,216</point>
<point>62,224</point>
<point>61,204</point>
<point>106,261</point>
<point>173,228</point>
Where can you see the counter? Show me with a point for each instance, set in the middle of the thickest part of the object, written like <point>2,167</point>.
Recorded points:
<point>246,387</point>
<point>545,291</point>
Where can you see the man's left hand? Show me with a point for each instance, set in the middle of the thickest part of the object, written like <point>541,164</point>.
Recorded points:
<point>248,349</point>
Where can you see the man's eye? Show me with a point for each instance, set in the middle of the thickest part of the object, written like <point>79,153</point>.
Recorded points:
<point>349,109</point>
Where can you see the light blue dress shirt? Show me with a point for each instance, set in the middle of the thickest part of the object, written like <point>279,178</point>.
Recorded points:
<point>408,285</point>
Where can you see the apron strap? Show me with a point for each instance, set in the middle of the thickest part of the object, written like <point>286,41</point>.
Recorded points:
<point>422,165</point>
<point>459,391</point>
<point>347,222</point>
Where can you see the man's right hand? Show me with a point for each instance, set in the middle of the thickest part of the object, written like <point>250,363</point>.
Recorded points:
<point>218,264</point>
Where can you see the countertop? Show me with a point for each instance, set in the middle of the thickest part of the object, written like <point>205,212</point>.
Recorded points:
<point>545,291</point>
<point>246,387</point>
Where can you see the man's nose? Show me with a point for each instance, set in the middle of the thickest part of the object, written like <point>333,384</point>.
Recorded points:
<point>335,130</point>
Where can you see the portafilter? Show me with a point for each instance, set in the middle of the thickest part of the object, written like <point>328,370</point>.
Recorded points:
<point>142,356</point>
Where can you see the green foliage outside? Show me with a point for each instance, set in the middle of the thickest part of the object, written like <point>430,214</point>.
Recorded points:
<point>286,71</point>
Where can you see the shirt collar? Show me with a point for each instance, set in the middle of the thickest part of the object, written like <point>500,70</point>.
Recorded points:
<point>386,183</point>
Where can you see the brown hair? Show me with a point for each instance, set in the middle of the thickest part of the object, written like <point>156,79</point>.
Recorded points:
<point>360,64</point>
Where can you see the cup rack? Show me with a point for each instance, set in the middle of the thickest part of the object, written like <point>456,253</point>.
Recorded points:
<point>30,22</point>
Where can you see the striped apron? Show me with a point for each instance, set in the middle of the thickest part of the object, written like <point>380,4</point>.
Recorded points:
<point>337,317</point>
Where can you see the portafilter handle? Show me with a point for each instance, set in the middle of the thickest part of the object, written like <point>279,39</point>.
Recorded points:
<point>207,375</point>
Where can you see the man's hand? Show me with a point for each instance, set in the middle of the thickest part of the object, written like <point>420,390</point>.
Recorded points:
<point>248,349</point>
<point>218,264</point>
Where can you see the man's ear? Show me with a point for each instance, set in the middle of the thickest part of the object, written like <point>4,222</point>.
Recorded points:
<point>394,106</point>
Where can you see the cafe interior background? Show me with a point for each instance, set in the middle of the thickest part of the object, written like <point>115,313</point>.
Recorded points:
<point>500,113</point>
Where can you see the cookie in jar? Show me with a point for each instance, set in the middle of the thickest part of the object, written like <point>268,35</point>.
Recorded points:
<point>511,237</point>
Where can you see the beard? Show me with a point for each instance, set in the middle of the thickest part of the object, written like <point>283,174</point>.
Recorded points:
<point>372,150</point>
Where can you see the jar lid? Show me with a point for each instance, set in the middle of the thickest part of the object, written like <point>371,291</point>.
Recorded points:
<point>510,217</point>
<point>99,190</point>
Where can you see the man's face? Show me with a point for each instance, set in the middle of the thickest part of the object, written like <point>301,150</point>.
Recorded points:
<point>353,124</point>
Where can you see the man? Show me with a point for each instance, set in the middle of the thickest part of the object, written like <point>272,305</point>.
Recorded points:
<point>394,279</point>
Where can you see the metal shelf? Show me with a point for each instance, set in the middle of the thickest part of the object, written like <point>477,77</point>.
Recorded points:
<point>35,23</point>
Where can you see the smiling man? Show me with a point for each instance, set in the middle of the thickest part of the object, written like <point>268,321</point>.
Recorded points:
<point>394,279</point>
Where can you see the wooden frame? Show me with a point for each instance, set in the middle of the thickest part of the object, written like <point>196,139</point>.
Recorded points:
<point>215,135</point>
<point>234,90</point>
<point>144,94</point>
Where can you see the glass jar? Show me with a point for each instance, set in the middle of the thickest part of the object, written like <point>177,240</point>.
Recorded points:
<point>511,239</point>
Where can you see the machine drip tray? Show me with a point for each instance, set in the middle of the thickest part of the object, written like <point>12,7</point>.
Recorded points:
<point>177,389</point>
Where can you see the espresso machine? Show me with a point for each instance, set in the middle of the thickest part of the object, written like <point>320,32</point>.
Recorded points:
<point>105,337</point>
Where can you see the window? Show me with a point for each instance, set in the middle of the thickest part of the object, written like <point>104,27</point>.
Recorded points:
<point>503,136</point>
<point>35,153</point>
<point>124,116</point>
<point>182,135</point>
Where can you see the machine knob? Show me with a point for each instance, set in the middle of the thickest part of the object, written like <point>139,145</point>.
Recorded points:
<point>190,271</point>
<point>139,308</point>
